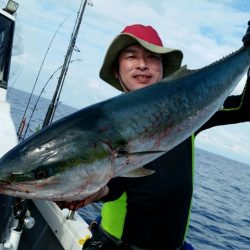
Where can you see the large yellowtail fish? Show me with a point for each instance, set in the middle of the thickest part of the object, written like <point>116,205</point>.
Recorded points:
<point>77,155</point>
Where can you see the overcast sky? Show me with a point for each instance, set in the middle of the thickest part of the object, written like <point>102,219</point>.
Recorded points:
<point>205,30</point>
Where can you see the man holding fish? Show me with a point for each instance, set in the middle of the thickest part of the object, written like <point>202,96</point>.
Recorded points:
<point>151,212</point>
<point>134,152</point>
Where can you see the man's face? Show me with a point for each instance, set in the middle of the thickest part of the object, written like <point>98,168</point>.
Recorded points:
<point>139,67</point>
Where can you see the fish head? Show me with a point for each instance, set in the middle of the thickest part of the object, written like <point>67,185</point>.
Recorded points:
<point>36,182</point>
<point>54,182</point>
<point>53,170</point>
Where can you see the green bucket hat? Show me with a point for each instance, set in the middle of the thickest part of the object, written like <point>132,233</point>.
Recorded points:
<point>148,38</point>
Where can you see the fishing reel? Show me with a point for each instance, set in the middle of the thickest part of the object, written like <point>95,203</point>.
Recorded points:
<point>15,222</point>
<point>22,215</point>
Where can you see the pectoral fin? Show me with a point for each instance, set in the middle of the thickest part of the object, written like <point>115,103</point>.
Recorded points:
<point>139,172</point>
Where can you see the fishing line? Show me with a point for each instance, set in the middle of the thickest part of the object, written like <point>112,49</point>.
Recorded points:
<point>45,85</point>
<point>19,132</point>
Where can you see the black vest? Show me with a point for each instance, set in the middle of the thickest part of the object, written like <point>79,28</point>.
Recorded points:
<point>158,205</point>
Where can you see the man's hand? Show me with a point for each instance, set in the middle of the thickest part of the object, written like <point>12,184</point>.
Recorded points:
<point>74,205</point>
<point>246,38</point>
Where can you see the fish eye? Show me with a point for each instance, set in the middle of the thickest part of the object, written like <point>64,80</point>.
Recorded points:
<point>42,173</point>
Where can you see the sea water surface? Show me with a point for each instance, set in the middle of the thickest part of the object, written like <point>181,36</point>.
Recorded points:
<point>220,217</point>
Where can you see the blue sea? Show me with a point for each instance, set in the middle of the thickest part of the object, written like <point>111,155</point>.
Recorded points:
<point>220,217</point>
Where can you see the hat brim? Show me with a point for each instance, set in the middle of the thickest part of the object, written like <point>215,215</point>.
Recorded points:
<point>171,57</point>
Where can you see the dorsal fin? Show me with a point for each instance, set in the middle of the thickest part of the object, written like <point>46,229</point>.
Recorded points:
<point>183,71</point>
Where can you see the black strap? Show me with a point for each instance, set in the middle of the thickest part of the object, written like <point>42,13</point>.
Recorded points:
<point>102,241</point>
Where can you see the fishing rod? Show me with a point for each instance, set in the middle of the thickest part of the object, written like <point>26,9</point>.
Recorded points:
<point>45,85</point>
<point>55,100</point>
<point>22,123</point>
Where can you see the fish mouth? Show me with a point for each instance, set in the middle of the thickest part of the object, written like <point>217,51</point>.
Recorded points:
<point>25,187</point>
<point>13,188</point>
